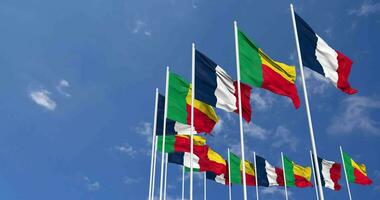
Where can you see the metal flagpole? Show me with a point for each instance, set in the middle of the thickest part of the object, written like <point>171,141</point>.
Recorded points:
<point>314,148</point>
<point>153,145</point>
<point>283,169</point>
<point>257,183</point>
<point>229,176</point>
<point>315,178</point>
<point>154,167</point>
<point>345,173</point>
<point>240,110</point>
<point>166,174</point>
<point>183,182</point>
<point>164,131</point>
<point>204,186</point>
<point>192,118</point>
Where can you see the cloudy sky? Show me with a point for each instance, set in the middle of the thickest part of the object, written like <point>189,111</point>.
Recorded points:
<point>78,78</point>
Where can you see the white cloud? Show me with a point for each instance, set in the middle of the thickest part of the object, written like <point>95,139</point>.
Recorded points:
<point>282,137</point>
<point>274,190</point>
<point>60,87</point>
<point>365,9</point>
<point>41,97</point>
<point>262,100</point>
<point>91,185</point>
<point>356,115</point>
<point>126,149</point>
<point>316,83</point>
<point>130,180</point>
<point>255,131</point>
<point>219,126</point>
<point>141,27</point>
<point>145,129</point>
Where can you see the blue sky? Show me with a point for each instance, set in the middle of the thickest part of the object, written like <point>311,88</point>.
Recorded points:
<point>78,79</point>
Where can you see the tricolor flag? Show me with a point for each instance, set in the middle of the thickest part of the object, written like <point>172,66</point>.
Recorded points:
<point>181,143</point>
<point>356,173</point>
<point>179,106</point>
<point>258,70</point>
<point>183,158</point>
<point>330,171</point>
<point>320,57</point>
<point>236,169</point>
<point>215,87</point>
<point>222,178</point>
<point>267,174</point>
<point>172,127</point>
<point>296,175</point>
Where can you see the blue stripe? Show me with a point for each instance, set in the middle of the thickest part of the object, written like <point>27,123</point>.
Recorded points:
<point>308,45</point>
<point>176,158</point>
<point>320,170</point>
<point>160,118</point>
<point>262,178</point>
<point>205,79</point>
<point>210,175</point>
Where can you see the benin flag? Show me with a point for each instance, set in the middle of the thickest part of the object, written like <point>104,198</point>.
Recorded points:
<point>296,175</point>
<point>179,106</point>
<point>356,173</point>
<point>181,143</point>
<point>236,171</point>
<point>258,70</point>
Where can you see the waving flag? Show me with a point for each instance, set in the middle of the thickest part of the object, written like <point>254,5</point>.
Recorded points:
<point>296,175</point>
<point>183,158</point>
<point>222,178</point>
<point>179,106</point>
<point>356,173</point>
<point>236,169</point>
<point>181,143</point>
<point>330,171</point>
<point>258,70</point>
<point>267,175</point>
<point>215,87</point>
<point>320,57</point>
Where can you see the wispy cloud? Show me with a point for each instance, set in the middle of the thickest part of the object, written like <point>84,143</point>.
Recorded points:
<point>91,185</point>
<point>145,129</point>
<point>365,9</point>
<point>130,180</point>
<point>140,27</point>
<point>316,83</point>
<point>126,149</point>
<point>42,98</point>
<point>283,137</point>
<point>274,190</point>
<point>356,115</point>
<point>255,131</point>
<point>61,86</point>
<point>262,100</point>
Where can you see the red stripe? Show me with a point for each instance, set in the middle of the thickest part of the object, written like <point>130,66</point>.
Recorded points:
<point>202,123</point>
<point>302,182</point>
<point>249,179</point>
<point>335,175</point>
<point>277,84</point>
<point>245,100</point>
<point>361,178</point>
<point>280,176</point>
<point>344,68</point>
<point>182,144</point>
<point>209,165</point>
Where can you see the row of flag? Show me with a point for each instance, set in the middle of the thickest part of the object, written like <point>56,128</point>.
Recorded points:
<point>188,109</point>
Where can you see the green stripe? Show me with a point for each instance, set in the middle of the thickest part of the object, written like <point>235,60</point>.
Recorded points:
<point>235,176</point>
<point>187,169</point>
<point>178,90</point>
<point>169,143</point>
<point>349,168</point>
<point>251,71</point>
<point>289,173</point>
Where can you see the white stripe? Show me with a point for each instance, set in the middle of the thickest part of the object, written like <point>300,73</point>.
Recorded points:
<point>183,129</point>
<point>220,179</point>
<point>186,160</point>
<point>225,91</point>
<point>328,58</point>
<point>326,166</point>
<point>271,174</point>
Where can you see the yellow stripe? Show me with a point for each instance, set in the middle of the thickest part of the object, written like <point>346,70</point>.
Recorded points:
<point>360,167</point>
<point>249,168</point>
<point>198,140</point>
<point>302,171</point>
<point>213,156</point>
<point>286,71</point>
<point>204,108</point>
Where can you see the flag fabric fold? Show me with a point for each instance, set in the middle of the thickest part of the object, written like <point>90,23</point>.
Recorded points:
<point>236,169</point>
<point>222,178</point>
<point>216,88</point>
<point>320,57</point>
<point>296,175</point>
<point>259,70</point>
<point>268,175</point>
<point>356,173</point>
<point>331,173</point>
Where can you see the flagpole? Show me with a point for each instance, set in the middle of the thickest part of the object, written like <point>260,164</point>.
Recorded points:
<point>204,186</point>
<point>164,131</point>
<point>315,180</point>
<point>240,110</point>
<point>229,175</point>
<point>345,173</point>
<point>183,182</point>
<point>154,167</point>
<point>257,183</point>
<point>314,148</point>
<point>166,174</point>
<point>153,145</point>
<point>283,169</point>
<point>192,118</point>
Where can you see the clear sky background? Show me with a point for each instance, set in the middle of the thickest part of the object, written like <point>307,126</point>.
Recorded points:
<point>77,89</point>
